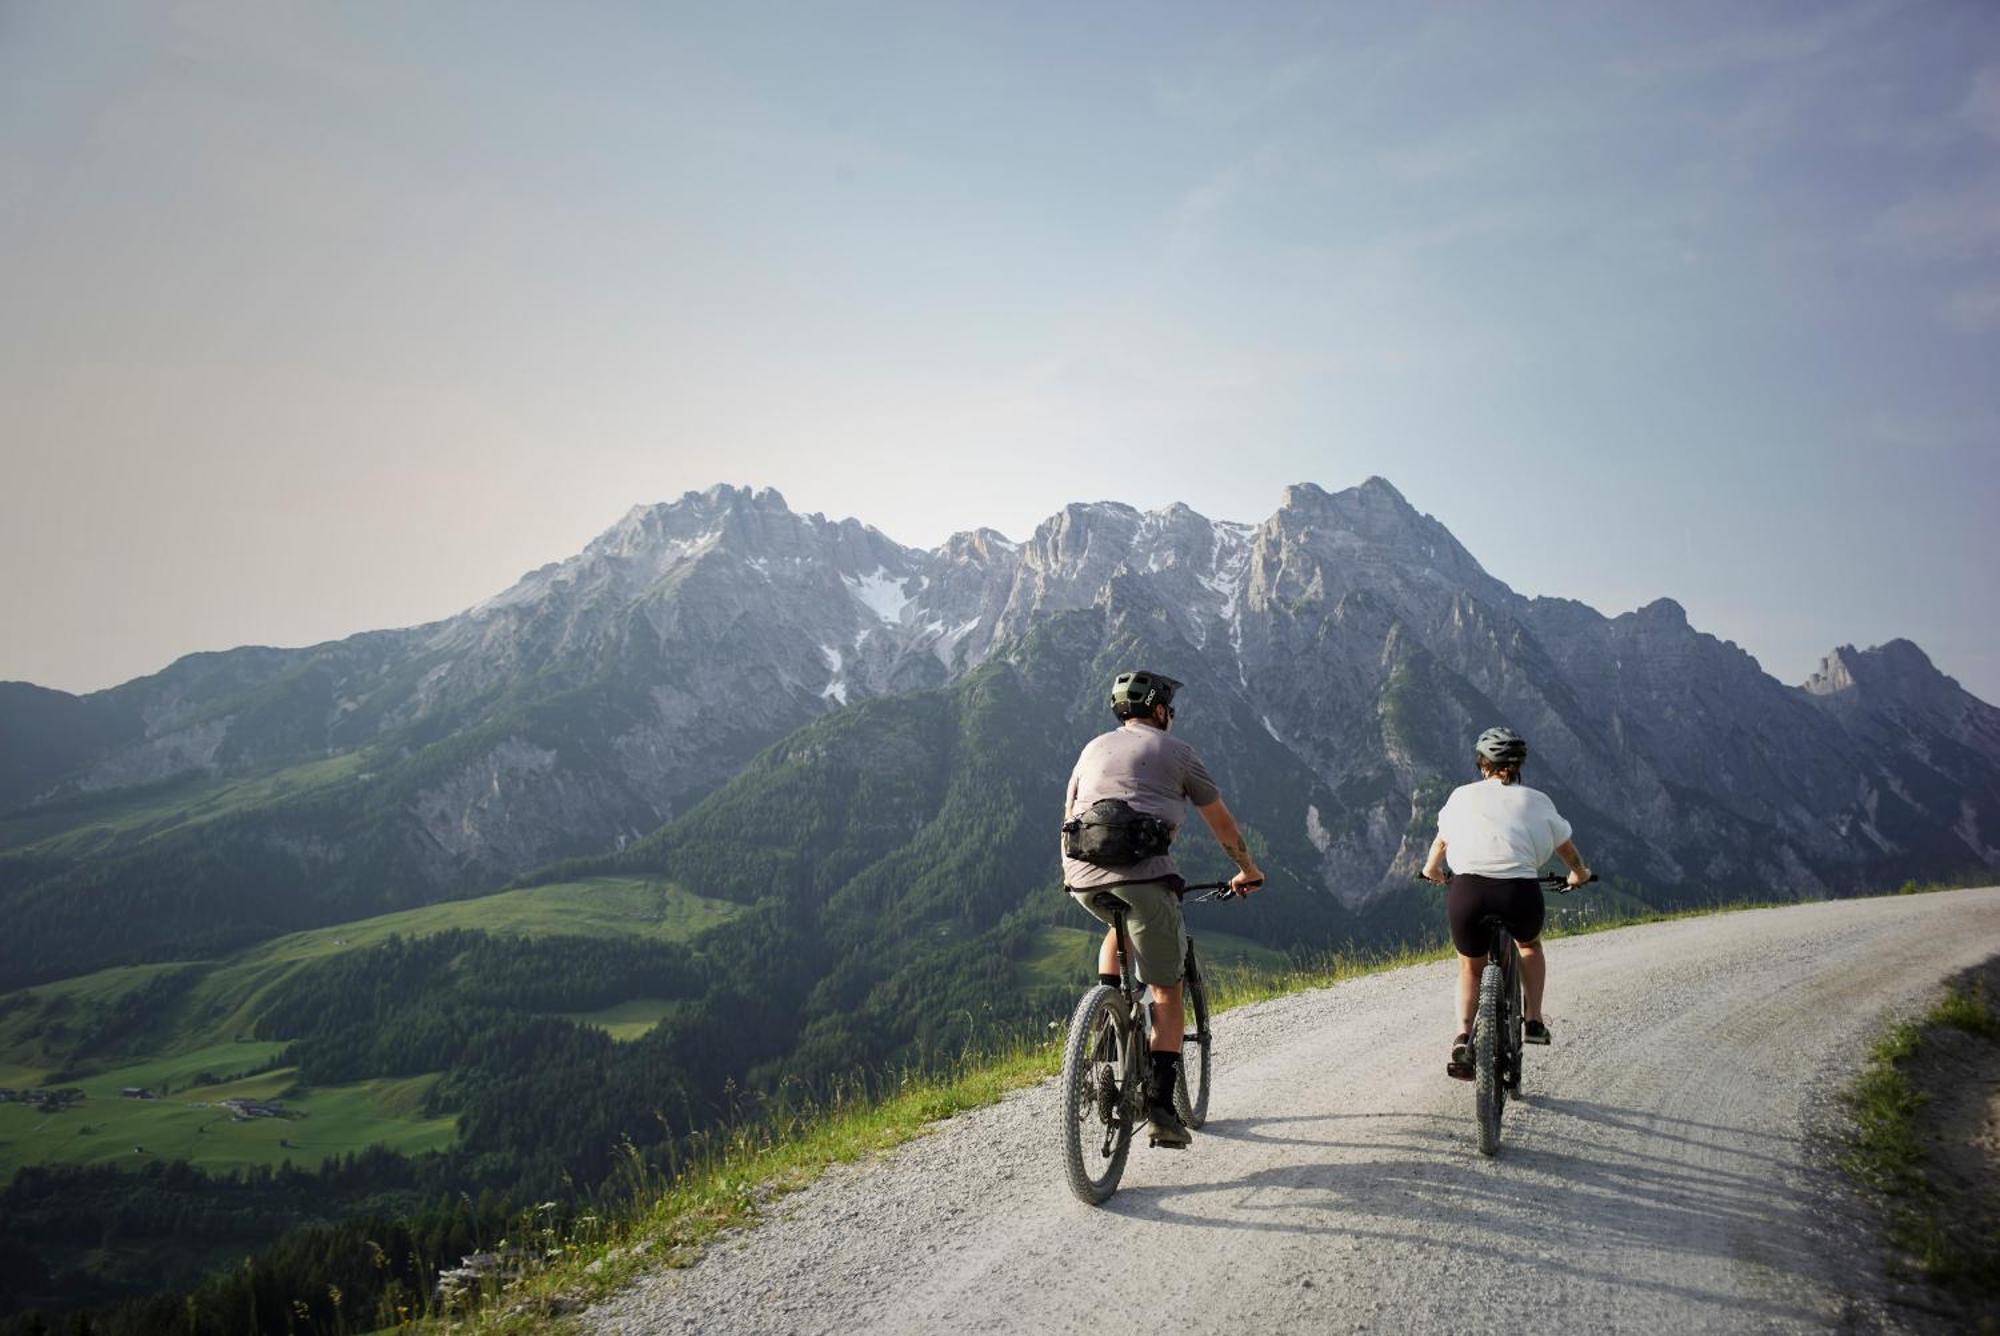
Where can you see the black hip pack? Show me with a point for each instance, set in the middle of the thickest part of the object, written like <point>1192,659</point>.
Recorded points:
<point>1112,833</point>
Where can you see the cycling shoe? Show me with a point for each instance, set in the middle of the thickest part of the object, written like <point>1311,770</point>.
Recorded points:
<point>1460,1065</point>
<point>1165,1128</point>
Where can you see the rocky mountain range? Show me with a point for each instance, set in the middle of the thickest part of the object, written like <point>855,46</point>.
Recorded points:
<point>1339,656</point>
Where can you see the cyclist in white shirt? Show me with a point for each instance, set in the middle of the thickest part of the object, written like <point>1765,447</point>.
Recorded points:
<point>1498,832</point>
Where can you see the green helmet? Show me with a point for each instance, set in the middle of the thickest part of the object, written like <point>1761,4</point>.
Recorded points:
<point>1135,694</point>
<point>1502,746</point>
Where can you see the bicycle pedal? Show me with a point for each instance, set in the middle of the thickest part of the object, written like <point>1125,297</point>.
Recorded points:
<point>1155,1143</point>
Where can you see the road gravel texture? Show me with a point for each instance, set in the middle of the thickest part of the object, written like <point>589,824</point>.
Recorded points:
<point>1667,1169</point>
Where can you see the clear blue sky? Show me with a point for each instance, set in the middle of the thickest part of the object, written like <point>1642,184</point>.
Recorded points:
<point>316,319</point>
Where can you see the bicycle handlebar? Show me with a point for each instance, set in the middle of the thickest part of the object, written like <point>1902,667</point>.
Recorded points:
<point>1549,881</point>
<point>1215,890</point>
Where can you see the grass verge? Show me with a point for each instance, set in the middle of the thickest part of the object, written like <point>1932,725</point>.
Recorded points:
<point>729,1179</point>
<point>1898,1142</point>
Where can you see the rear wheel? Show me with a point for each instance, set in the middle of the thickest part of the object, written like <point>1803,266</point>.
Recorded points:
<point>1511,1028</point>
<point>1191,1090</point>
<point>1096,1108</point>
<point>1486,1046</point>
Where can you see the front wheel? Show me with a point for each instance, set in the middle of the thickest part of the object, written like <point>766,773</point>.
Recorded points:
<point>1096,1103</point>
<point>1486,1051</point>
<point>1191,1090</point>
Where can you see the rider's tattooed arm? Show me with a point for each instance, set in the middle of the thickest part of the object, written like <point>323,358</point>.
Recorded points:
<point>1229,836</point>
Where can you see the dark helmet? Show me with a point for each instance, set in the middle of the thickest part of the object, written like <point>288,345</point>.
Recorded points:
<point>1133,695</point>
<point>1502,746</point>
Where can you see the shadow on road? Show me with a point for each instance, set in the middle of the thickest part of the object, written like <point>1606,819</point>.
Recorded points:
<point>1586,1187</point>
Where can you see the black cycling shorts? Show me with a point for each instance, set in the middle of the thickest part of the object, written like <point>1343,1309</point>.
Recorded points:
<point>1517,901</point>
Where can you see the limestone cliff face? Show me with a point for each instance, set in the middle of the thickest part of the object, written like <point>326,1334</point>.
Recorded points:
<point>1347,643</point>
<point>1942,740</point>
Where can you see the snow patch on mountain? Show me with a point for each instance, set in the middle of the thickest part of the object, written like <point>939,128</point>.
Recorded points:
<point>883,594</point>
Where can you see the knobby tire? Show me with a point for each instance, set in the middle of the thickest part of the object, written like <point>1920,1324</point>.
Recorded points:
<point>1096,1038</point>
<point>1516,1042</point>
<point>1487,1050</point>
<point>1191,1090</point>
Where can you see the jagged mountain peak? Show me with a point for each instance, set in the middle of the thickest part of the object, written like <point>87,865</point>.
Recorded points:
<point>727,496</point>
<point>1086,512</point>
<point>1660,612</point>
<point>742,529</point>
<point>1083,532</point>
<point>1897,667</point>
<point>1371,493</point>
<point>981,545</point>
<point>1372,513</point>
<point>1835,672</point>
<point>1326,541</point>
<point>692,513</point>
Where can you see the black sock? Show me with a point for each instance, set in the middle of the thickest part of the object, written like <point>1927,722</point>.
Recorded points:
<point>1166,1068</point>
<point>1109,980</point>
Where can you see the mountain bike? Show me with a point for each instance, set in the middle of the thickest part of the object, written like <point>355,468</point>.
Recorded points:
<point>1496,1026</point>
<point>1107,1054</point>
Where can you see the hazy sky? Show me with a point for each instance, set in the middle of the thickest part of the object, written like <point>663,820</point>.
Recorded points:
<point>322,318</point>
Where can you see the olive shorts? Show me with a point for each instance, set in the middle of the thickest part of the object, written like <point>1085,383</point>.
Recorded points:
<point>1153,921</point>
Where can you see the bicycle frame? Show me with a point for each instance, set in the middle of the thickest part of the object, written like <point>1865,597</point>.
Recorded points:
<point>1136,993</point>
<point>1136,1023</point>
<point>1107,1063</point>
<point>1139,1014</point>
<point>1499,1075</point>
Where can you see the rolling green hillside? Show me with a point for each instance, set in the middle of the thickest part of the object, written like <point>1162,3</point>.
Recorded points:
<point>200,866</point>
<point>226,1002</point>
<point>118,820</point>
<point>188,1120</point>
<point>185,1030</point>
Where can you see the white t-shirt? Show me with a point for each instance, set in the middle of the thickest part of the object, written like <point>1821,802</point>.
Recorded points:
<point>1492,829</point>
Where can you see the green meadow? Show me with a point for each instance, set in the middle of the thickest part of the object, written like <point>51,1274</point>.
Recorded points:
<point>628,1020</point>
<point>598,907</point>
<point>227,1001</point>
<point>188,1122</point>
<point>199,1051</point>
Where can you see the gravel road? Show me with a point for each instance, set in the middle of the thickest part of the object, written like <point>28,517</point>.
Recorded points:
<point>1665,1170</point>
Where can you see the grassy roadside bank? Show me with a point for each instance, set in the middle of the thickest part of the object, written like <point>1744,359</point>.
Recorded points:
<point>739,1174</point>
<point>1921,1145</point>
